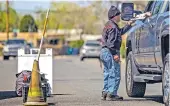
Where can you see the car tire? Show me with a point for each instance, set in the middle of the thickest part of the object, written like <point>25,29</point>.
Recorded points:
<point>82,58</point>
<point>133,89</point>
<point>6,57</point>
<point>165,80</point>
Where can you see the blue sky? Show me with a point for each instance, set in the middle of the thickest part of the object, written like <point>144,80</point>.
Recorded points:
<point>29,6</point>
<point>32,4</point>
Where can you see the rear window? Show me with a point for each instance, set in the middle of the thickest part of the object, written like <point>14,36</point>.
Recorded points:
<point>15,42</point>
<point>92,44</point>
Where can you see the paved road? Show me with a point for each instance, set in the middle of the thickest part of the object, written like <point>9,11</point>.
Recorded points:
<point>75,84</point>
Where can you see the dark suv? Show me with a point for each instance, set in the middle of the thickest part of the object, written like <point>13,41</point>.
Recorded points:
<point>147,51</point>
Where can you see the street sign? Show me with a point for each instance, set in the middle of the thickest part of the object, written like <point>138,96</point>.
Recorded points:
<point>25,62</point>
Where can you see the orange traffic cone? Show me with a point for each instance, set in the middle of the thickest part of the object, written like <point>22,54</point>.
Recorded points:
<point>35,94</point>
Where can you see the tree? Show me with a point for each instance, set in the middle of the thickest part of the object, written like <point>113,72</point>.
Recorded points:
<point>13,20</point>
<point>100,11</point>
<point>28,24</point>
<point>68,15</point>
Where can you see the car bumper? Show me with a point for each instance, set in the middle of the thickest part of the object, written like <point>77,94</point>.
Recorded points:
<point>91,54</point>
<point>14,53</point>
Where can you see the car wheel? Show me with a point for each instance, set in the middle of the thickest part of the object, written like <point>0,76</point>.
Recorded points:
<point>133,89</point>
<point>82,58</point>
<point>6,57</point>
<point>166,81</point>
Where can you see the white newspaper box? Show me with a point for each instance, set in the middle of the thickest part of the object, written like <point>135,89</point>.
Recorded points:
<point>25,62</point>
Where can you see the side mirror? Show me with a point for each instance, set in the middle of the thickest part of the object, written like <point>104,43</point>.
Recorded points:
<point>127,11</point>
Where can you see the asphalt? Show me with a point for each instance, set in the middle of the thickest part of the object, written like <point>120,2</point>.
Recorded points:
<point>75,83</point>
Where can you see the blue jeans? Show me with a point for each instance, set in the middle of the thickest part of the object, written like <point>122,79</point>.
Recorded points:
<point>111,72</point>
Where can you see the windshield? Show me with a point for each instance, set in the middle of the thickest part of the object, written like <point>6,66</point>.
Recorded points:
<point>15,42</point>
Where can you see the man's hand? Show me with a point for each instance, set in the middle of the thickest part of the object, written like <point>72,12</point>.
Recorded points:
<point>148,14</point>
<point>130,22</point>
<point>116,58</point>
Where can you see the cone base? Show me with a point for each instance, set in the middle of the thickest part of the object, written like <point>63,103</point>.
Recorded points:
<point>35,104</point>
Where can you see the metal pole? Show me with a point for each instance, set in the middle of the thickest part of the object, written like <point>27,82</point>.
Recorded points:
<point>7,19</point>
<point>43,35</point>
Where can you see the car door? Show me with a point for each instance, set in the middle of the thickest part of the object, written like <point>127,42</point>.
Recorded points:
<point>135,40</point>
<point>142,39</point>
<point>149,32</point>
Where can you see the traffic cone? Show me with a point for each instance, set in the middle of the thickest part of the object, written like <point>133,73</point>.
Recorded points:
<point>35,94</point>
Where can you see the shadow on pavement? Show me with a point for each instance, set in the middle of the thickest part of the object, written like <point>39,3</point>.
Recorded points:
<point>156,98</point>
<point>51,104</point>
<point>61,94</point>
<point>7,94</point>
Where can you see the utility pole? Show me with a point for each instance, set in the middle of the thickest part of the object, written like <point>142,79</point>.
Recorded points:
<point>7,19</point>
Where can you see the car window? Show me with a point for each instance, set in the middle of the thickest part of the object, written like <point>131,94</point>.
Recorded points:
<point>92,44</point>
<point>167,8</point>
<point>149,6</point>
<point>157,7</point>
<point>15,42</point>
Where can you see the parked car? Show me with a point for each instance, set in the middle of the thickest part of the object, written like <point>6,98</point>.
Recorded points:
<point>90,49</point>
<point>147,52</point>
<point>11,47</point>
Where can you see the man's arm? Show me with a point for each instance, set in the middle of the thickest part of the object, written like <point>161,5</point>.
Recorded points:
<point>125,29</point>
<point>104,37</point>
<point>113,33</point>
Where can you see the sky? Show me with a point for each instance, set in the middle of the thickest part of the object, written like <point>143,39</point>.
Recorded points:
<point>28,6</point>
<point>24,7</point>
<point>32,4</point>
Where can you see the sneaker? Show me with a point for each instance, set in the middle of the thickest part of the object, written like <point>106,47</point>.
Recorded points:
<point>111,97</point>
<point>104,95</point>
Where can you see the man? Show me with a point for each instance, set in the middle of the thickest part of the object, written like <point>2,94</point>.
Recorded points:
<point>110,56</point>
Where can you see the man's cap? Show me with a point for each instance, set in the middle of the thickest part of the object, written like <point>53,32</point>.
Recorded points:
<point>113,11</point>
